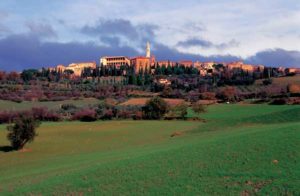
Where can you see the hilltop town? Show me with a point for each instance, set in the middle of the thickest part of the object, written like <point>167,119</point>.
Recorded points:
<point>149,64</point>
<point>121,77</point>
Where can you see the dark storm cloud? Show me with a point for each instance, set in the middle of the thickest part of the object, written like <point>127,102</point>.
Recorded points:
<point>206,44</point>
<point>39,29</point>
<point>147,31</point>
<point>110,40</point>
<point>23,51</point>
<point>18,52</point>
<point>276,57</point>
<point>163,52</point>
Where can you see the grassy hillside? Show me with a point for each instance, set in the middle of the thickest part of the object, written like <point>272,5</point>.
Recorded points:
<point>242,149</point>
<point>284,81</point>
<point>281,82</point>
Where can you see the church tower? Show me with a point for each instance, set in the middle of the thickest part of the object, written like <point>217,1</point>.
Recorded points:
<point>148,52</point>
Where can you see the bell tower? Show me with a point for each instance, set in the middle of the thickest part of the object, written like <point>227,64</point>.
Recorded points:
<point>148,51</point>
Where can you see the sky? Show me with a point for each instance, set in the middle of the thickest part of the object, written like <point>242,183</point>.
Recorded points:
<point>43,33</point>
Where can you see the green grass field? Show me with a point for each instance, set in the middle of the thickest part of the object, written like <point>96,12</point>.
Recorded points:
<point>240,150</point>
<point>25,105</point>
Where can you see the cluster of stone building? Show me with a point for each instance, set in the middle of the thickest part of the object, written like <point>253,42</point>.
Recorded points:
<point>148,61</point>
<point>76,68</point>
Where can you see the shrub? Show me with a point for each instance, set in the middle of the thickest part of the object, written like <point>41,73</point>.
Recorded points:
<point>167,91</point>
<point>138,115</point>
<point>68,110</point>
<point>228,94</point>
<point>267,82</point>
<point>124,114</point>
<point>68,106</point>
<point>7,117</point>
<point>128,111</point>
<point>192,96</point>
<point>208,96</point>
<point>43,99</point>
<point>279,102</point>
<point>43,114</point>
<point>39,112</point>
<point>16,99</point>
<point>260,101</point>
<point>155,108</point>
<point>198,108</point>
<point>22,132</point>
<point>177,112</point>
<point>101,109</point>
<point>294,101</point>
<point>52,116</point>
<point>85,115</point>
<point>108,115</point>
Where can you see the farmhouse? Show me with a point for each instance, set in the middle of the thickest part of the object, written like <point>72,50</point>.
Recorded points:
<point>164,81</point>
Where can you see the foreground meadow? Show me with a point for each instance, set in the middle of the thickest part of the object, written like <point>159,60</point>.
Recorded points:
<point>241,149</point>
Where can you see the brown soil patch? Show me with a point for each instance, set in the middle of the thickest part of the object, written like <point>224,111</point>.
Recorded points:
<point>142,101</point>
<point>176,133</point>
<point>207,102</point>
<point>135,101</point>
<point>257,186</point>
<point>245,193</point>
<point>111,101</point>
<point>174,102</point>
<point>275,161</point>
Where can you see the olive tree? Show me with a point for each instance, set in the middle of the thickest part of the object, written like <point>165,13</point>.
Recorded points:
<point>22,131</point>
<point>155,108</point>
<point>198,108</point>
